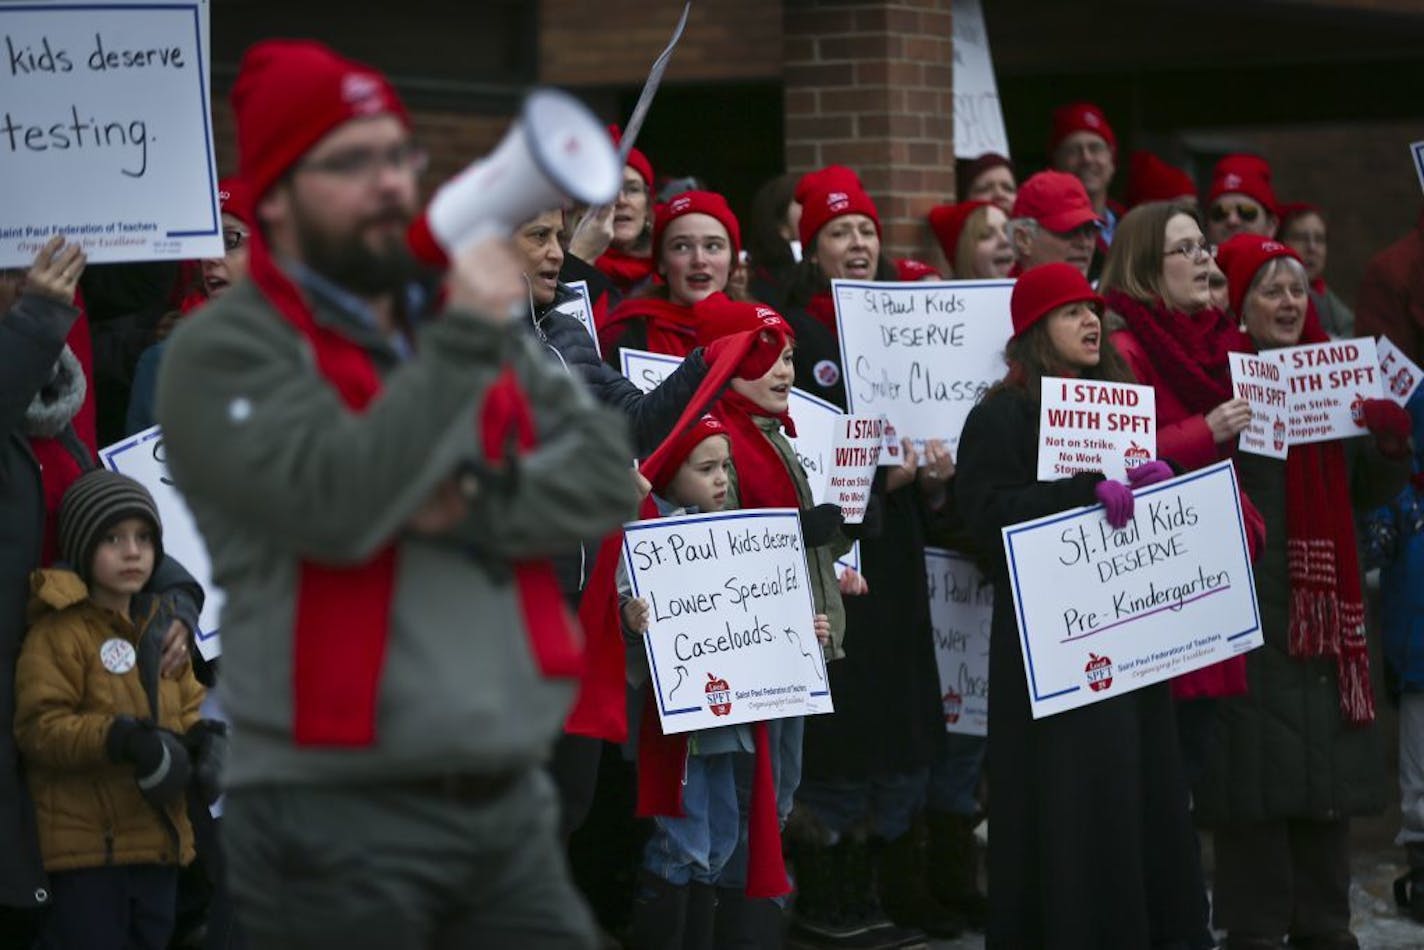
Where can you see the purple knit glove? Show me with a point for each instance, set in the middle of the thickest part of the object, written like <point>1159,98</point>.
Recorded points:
<point>1149,473</point>
<point>1116,499</point>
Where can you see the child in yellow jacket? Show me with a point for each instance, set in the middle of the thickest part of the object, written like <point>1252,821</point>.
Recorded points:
<point>105,740</point>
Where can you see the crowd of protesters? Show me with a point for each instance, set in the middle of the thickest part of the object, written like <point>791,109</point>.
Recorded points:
<point>411,464</point>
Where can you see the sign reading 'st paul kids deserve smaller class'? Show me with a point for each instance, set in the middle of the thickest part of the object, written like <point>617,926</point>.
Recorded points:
<point>921,354</point>
<point>731,635</point>
<point>1103,611</point>
<point>1090,426</point>
<point>105,135</point>
<point>961,613</point>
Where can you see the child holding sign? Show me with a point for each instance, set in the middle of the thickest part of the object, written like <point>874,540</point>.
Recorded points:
<point>1093,844</point>
<point>684,857</point>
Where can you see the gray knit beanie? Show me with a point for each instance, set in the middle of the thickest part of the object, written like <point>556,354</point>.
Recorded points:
<point>96,502</point>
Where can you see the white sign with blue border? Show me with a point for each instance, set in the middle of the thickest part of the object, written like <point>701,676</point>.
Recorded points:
<point>581,309</point>
<point>731,635</point>
<point>961,615</point>
<point>1102,612</point>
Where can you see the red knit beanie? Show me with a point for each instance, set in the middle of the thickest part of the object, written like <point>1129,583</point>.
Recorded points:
<point>1248,175</point>
<point>947,222</point>
<point>636,159</point>
<point>1080,117</point>
<point>1151,179</point>
<point>289,94</point>
<point>235,199</point>
<point>695,202</point>
<point>822,206</point>
<point>719,315</point>
<point>682,446</point>
<point>830,178</point>
<point>1241,256</point>
<point>1043,289</point>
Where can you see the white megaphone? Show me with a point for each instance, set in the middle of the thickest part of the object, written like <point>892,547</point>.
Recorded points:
<point>556,150</point>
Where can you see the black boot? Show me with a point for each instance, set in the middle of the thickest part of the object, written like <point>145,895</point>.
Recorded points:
<point>700,918</point>
<point>747,924</point>
<point>953,864</point>
<point>659,915</point>
<point>904,892</point>
<point>835,900</point>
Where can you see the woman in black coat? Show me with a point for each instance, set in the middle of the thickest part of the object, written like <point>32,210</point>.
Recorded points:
<point>1092,842</point>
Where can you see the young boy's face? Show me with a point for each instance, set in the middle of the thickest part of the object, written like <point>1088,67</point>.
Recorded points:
<point>773,391</point>
<point>123,561</point>
<point>702,480</point>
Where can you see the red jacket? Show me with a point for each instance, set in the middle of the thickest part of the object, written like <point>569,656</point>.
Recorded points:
<point>1391,298</point>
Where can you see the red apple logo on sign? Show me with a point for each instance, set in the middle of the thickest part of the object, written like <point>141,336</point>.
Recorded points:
<point>892,441</point>
<point>1401,381</point>
<point>953,706</point>
<point>1100,674</point>
<point>1135,455</point>
<point>1357,410</point>
<point>1279,431</point>
<point>719,696</point>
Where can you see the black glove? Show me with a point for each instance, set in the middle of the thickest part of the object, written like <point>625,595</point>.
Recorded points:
<point>161,765</point>
<point>872,523</point>
<point>820,524</point>
<point>206,743</point>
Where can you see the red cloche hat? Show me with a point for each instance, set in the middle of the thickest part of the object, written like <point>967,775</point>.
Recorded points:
<point>1043,289</point>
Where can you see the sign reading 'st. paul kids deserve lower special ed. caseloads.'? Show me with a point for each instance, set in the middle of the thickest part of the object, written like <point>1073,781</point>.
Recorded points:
<point>731,635</point>
<point>105,135</point>
<point>1102,611</point>
<point>961,613</point>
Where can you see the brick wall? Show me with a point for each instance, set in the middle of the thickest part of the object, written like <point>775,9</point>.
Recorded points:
<point>869,85</point>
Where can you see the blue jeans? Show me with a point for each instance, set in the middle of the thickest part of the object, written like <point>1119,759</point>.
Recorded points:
<point>785,739</point>
<point>697,845</point>
<point>889,801</point>
<point>954,777</point>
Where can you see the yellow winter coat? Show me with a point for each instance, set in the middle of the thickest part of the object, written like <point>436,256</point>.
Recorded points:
<point>89,809</point>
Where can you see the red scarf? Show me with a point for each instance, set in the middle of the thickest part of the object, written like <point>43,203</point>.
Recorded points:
<point>823,308</point>
<point>625,270</point>
<point>1327,607</point>
<point>341,622</point>
<point>762,478</point>
<point>1187,351</point>
<point>672,329</point>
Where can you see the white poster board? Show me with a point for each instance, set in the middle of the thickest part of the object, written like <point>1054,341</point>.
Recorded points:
<point>1260,380</point>
<point>815,418</point>
<point>1401,375</point>
<point>106,135</point>
<point>1089,426</point>
<point>141,458</point>
<point>921,353</point>
<point>961,612</point>
<point>1328,384</point>
<point>978,116</point>
<point>731,635</point>
<point>1416,152</point>
<point>1103,612</point>
<point>581,309</point>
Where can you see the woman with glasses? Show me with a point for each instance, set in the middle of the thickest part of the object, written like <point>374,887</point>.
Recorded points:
<point>1299,754</point>
<point>628,262</point>
<point>1303,229</point>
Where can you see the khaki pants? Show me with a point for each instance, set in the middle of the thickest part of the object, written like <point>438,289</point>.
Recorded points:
<point>316,867</point>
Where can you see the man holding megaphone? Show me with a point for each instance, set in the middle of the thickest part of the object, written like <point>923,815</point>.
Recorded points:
<point>380,495</point>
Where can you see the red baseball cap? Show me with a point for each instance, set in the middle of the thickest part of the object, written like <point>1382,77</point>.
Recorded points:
<point>1043,289</point>
<point>696,202</point>
<point>1056,200</point>
<point>1080,117</point>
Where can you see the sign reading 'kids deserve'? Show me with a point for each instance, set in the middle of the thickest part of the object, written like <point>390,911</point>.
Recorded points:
<point>105,135</point>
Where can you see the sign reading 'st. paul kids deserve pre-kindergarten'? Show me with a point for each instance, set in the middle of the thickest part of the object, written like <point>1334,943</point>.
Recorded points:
<point>921,354</point>
<point>1102,611</point>
<point>105,135</point>
<point>1090,426</point>
<point>731,635</point>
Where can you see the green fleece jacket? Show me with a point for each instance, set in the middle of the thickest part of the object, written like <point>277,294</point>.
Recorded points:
<point>277,471</point>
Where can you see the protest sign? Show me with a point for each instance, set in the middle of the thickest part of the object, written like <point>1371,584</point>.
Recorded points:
<point>106,137</point>
<point>1329,382</point>
<point>731,636</point>
<point>1102,612</point>
<point>961,613</point>
<point>1400,375</point>
<point>1260,380</point>
<point>1090,426</point>
<point>978,116</point>
<point>141,458</point>
<point>647,370</point>
<point>1416,152</point>
<point>921,353</point>
<point>581,309</point>
<point>855,457</point>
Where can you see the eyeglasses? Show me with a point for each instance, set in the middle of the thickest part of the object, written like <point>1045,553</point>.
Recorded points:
<point>365,164</point>
<point>234,239</point>
<point>1193,250</point>
<point>1247,213</point>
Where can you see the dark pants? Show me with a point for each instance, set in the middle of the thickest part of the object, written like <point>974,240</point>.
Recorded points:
<point>1283,877</point>
<point>401,865</point>
<point>127,907</point>
<point>20,926</point>
<point>574,769</point>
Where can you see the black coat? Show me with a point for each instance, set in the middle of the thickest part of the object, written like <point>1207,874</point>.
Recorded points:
<point>1283,750</point>
<point>1093,844</point>
<point>818,357</point>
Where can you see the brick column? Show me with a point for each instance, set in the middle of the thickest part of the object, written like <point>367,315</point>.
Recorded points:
<point>869,85</point>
